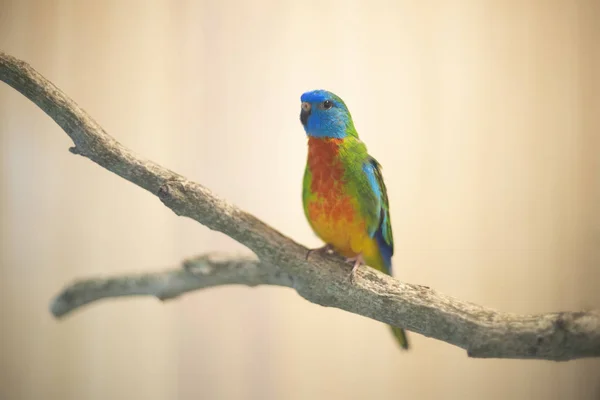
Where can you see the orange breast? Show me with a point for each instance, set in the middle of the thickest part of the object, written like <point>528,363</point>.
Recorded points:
<point>331,212</point>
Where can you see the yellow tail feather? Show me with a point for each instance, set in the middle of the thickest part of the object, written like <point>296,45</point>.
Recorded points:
<point>400,336</point>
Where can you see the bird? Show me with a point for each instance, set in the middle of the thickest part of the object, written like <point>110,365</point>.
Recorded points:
<point>343,193</point>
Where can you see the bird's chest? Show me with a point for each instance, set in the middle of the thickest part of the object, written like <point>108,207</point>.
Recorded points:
<point>328,201</point>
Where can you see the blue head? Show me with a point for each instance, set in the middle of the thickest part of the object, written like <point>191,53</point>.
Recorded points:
<point>325,115</point>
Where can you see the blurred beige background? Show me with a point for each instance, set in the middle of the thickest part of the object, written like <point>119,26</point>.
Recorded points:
<point>484,115</point>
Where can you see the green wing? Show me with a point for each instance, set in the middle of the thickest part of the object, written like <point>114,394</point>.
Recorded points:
<point>365,183</point>
<point>386,223</point>
<point>383,230</point>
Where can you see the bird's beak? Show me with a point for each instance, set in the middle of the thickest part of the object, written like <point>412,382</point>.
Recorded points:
<point>305,113</point>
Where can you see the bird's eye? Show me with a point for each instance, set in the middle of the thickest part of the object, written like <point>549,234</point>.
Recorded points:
<point>327,104</point>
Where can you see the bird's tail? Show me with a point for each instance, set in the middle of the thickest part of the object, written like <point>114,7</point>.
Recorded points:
<point>400,336</point>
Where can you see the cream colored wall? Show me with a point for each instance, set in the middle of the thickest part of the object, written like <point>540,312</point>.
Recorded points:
<point>484,115</point>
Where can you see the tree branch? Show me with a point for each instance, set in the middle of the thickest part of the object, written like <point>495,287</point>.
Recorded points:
<point>196,273</point>
<point>322,280</point>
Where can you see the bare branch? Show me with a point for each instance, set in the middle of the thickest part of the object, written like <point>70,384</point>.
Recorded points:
<point>322,280</point>
<point>196,273</point>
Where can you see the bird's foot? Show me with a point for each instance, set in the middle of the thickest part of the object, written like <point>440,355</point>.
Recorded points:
<point>327,249</point>
<point>357,261</point>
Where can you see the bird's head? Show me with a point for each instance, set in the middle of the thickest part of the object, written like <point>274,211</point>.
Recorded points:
<point>325,115</point>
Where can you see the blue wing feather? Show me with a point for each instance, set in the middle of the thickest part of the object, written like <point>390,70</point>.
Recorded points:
<point>382,232</point>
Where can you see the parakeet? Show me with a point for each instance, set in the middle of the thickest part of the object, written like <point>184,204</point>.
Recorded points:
<point>344,196</point>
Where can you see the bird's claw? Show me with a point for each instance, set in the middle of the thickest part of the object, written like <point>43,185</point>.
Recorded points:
<point>357,262</point>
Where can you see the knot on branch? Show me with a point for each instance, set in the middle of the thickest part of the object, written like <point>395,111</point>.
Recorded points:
<point>75,150</point>
<point>171,193</point>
